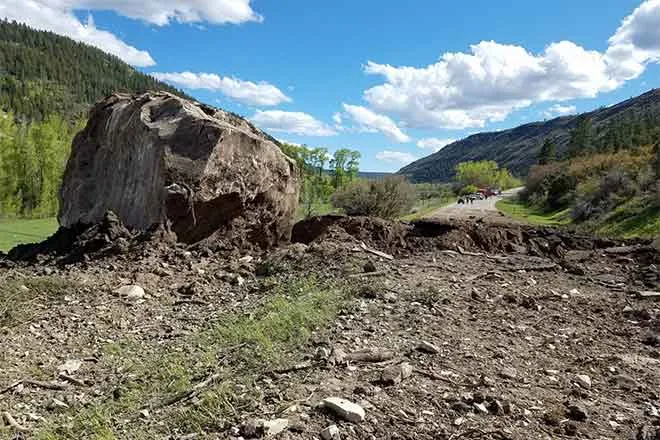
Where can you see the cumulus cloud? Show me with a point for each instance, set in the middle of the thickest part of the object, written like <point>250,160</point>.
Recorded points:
<point>492,80</point>
<point>369,120</point>
<point>434,144</point>
<point>396,157</point>
<point>559,110</point>
<point>162,12</point>
<point>291,122</point>
<point>247,92</point>
<point>57,16</point>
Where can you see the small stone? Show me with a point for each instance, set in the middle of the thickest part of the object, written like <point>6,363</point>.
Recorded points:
<point>345,409</point>
<point>273,427</point>
<point>577,412</point>
<point>583,380</point>
<point>624,381</point>
<point>70,366</point>
<point>331,433</point>
<point>574,292</point>
<point>509,373</point>
<point>395,374</point>
<point>338,356</point>
<point>481,408</point>
<point>461,407</point>
<point>144,413</point>
<point>390,297</point>
<point>131,293</point>
<point>427,347</point>
<point>459,421</point>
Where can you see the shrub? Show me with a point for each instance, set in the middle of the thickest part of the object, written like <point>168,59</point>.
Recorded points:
<point>468,189</point>
<point>386,198</point>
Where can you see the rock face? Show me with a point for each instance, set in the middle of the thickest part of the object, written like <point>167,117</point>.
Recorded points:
<point>158,159</point>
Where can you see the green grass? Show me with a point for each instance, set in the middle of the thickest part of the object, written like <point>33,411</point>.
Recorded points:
<point>532,214</point>
<point>317,209</point>
<point>237,347</point>
<point>426,208</point>
<point>15,232</point>
<point>635,218</point>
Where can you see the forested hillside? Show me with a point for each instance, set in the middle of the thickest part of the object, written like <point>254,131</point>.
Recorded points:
<point>47,83</point>
<point>625,125</point>
<point>42,73</point>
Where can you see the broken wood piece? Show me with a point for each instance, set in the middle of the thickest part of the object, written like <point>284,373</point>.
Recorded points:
<point>190,393</point>
<point>375,252</point>
<point>371,355</point>
<point>46,385</point>
<point>72,380</point>
<point>648,294</point>
<point>11,387</point>
<point>13,423</point>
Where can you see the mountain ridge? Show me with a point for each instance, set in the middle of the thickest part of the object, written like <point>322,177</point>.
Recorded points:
<point>517,148</point>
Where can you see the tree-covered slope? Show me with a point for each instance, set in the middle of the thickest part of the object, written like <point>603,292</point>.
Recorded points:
<point>42,73</point>
<point>629,123</point>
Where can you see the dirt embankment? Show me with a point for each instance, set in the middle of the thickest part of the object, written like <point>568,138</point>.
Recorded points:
<point>433,330</point>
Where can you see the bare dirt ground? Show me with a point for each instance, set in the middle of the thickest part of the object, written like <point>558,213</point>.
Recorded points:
<point>469,331</point>
<point>479,210</point>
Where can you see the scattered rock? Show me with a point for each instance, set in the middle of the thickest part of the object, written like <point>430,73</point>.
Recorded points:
<point>331,433</point>
<point>394,374</point>
<point>273,427</point>
<point>481,408</point>
<point>345,409</point>
<point>509,373</point>
<point>624,381</point>
<point>427,347</point>
<point>583,380</point>
<point>461,407</point>
<point>577,412</point>
<point>131,293</point>
<point>70,366</point>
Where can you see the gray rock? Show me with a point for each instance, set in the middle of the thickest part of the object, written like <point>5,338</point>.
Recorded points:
<point>577,412</point>
<point>509,373</point>
<point>273,427</point>
<point>345,409</point>
<point>331,433</point>
<point>583,380</point>
<point>395,374</point>
<point>427,347</point>
<point>157,158</point>
<point>481,408</point>
<point>624,381</point>
<point>131,293</point>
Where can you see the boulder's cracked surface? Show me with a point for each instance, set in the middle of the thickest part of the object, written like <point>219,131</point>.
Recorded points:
<point>156,158</point>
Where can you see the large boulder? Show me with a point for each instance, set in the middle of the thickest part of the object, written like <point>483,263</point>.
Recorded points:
<point>156,158</point>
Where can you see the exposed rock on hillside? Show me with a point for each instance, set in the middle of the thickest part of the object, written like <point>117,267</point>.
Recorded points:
<point>159,159</point>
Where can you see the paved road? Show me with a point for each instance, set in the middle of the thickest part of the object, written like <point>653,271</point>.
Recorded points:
<point>480,209</point>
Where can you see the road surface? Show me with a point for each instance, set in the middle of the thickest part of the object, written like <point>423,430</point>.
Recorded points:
<point>478,210</point>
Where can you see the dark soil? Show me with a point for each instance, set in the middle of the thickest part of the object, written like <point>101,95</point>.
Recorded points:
<point>516,316</point>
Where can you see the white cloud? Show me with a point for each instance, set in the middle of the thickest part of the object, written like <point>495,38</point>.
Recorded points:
<point>291,122</point>
<point>636,42</point>
<point>57,16</point>
<point>464,90</point>
<point>337,118</point>
<point>397,157</point>
<point>434,144</point>
<point>371,121</point>
<point>60,20</point>
<point>247,92</point>
<point>559,110</point>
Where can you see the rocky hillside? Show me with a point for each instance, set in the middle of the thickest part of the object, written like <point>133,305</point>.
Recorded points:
<point>518,148</point>
<point>42,73</point>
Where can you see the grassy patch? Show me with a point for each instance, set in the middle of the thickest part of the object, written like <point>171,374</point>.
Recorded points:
<point>427,207</point>
<point>317,209</point>
<point>636,218</point>
<point>533,214</point>
<point>15,232</point>
<point>237,350</point>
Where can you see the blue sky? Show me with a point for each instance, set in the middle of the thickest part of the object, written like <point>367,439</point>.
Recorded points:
<point>394,80</point>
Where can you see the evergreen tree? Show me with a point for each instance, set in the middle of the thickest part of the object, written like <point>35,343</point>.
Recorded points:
<point>580,137</point>
<point>548,152</point>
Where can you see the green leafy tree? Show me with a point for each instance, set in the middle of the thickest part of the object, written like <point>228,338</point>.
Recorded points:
<point>345,166</point>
